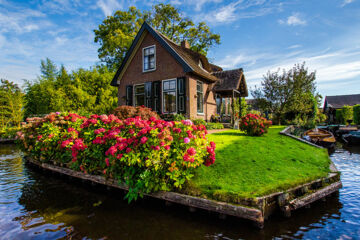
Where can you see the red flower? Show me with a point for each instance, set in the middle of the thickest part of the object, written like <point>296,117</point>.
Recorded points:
<point>107,162</point>
<point>143,140</point>
<point>191,151</point>
<point>128,150</point>
<point>167,147</point>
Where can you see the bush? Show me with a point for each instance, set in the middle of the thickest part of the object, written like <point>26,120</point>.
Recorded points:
<point>254,125</point>
<point>347,114</point>
<point>8,132</point>
<point>338,116</point>
<point>211,125</point>
<point>172,117</point>
<point>199,121</point>
<point>124,112</point>
<point>146,155</point>
<point>356,110</point>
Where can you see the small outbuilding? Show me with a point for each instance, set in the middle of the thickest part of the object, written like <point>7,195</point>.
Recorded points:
<point>336,102</point>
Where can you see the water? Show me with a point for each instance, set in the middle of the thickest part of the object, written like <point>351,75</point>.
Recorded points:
<point>37,205</point>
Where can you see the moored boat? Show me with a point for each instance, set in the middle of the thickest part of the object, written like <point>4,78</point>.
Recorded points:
<point>352,138</point>
<point>320,137</point>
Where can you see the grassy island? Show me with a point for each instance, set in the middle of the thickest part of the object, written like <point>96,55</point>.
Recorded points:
<point>248,167</point>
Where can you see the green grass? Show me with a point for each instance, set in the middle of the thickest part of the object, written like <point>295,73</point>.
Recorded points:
<point>248,167</point>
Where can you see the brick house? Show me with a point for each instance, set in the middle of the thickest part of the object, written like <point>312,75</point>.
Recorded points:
<point>171,78</point>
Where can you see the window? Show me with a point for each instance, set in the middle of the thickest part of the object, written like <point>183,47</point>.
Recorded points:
<point>139,91</point>
<point>169,96</point>
<point>200,97</point>
<point>149,58</point>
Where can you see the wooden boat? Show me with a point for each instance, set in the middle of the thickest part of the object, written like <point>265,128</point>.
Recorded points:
<point>352,138</point>
<point>320,137</point>
<point>345,130</point>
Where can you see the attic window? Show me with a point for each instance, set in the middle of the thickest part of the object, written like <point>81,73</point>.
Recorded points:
<point>149,58</point>
<point>201,66</point>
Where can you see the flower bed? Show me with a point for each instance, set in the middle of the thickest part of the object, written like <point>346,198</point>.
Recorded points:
<point>146,155</point>
<point>254,125</point>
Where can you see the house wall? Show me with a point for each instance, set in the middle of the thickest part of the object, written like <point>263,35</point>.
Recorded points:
<point>209,100</point>
<point>166,68</point>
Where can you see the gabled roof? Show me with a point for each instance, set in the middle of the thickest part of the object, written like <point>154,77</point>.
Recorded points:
<point>187,58</point>
<point>229,80</point>
<point>340,100</point>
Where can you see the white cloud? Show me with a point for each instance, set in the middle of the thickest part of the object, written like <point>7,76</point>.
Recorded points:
<point>332,66</point>
<point>346,2</point>
<point>109,6</point>
<point>294,46</point>
<point>293,20</point>
<point>239,10</point>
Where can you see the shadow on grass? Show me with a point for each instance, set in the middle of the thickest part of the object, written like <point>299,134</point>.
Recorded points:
<point>228,133</point>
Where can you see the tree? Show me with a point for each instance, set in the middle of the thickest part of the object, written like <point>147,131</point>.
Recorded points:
<point>11,104</point>
<point>287,94</point>
<point>83,91</point>
<point>117,32</point>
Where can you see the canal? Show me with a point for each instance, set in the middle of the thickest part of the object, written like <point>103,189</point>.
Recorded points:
<point>37,205</point>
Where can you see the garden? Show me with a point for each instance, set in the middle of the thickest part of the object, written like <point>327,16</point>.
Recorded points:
<point>149,154</point>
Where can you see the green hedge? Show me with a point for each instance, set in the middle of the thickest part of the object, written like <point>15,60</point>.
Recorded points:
<point>356,110</point>
<point>347,113</point>
<point>211,125</point>
<point>339,116</point>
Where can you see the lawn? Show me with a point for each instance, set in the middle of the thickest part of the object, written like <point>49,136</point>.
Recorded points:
<point>248,167</point>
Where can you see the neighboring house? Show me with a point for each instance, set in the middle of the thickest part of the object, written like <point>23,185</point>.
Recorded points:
<point>169,78</point>
<point>336,102</point>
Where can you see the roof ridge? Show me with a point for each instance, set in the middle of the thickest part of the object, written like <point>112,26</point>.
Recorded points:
<point>229,70</point>
<point>344,95</point>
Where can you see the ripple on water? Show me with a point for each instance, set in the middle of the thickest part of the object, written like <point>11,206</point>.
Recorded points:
<point>35,205</point>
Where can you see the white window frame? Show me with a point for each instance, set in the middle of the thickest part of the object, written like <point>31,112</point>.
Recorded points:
<point>162,95</point>
<point>134,94</point>
<point>143,58</point>
<point>202,85</point>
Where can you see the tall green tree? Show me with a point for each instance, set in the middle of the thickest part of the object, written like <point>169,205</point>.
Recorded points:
<point>11,104</point>
<point>117,32</point>
<point>83,90</point>
<point>288,93</point>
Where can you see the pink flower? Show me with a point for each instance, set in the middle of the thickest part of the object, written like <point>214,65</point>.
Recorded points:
<point>191,151</point>
<point>112,150</point>
<point>186,140</point>
<point>128,150</point>
<point>177,130</point>
<point>131,131</point>
<point>100,130</point>
<point>186,158</point>
<point>212,144</point>
<point>39,137</point>
<point>167,147</point>
<point>107,162</point>
<point>143,140</point>
<point>157,148</point>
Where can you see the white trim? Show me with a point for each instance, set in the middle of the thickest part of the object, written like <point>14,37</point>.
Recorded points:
<point>162,95</point>
<point>134,96</point>
<point>142,60</point>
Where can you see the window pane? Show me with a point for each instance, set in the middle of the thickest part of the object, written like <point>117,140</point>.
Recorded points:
<point>139,100</point>
<point>181,85</point>
<point>139,89</point>
<point>166,85</point>
<point>172,84</point>
<point>200,104</point>
<point>169,102</point>
<point>151,50</point>
<point>146,52</point>
<point>181,103</point>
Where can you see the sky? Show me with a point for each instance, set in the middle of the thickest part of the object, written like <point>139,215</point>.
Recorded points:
<point>256,35</point>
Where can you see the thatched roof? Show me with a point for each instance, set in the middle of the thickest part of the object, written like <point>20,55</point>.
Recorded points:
<point>231,80</point>
<point>341,100</point>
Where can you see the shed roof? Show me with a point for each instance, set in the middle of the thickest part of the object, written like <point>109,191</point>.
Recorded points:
<point>229,80</point>
<point>341,100</point>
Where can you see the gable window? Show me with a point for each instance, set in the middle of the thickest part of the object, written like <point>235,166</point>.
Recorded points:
<point>169,96</point>
<point>149,58</point>
<point>200,97</point>
<point>139,93</point>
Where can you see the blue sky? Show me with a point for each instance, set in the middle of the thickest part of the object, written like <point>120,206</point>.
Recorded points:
<point>256,35</point>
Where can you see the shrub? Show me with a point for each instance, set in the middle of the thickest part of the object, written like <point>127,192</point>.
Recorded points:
<point>8,132</point>
<point>211,125</point>
<point>347,114</point>
<point>146,155</point>
<point>356,110</point>
<point>124,112</point>
<point>254,125</point>
<point>199,121</point>
<point>339,116</point>
<point>172,117</point>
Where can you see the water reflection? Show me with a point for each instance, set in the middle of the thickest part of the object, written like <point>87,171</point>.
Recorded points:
<point>36,204</point>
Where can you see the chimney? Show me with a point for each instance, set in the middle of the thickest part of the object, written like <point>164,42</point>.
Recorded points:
<point>185,44</point>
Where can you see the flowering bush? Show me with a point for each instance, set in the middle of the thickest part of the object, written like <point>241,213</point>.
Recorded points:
<point>254,125</point>
<point>146,155</point>
<point>124,112</point>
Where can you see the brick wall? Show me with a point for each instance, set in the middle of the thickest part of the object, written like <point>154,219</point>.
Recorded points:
<point>166,67</point>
